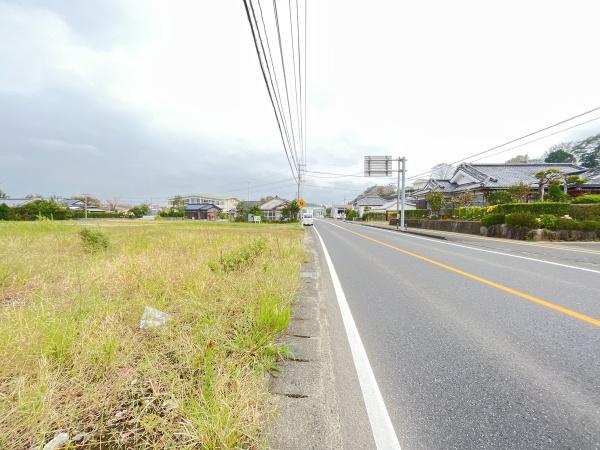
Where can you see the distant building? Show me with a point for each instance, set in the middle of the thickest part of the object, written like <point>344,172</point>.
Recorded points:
<point>368,203</point>
<point>482,179</point>
<point>223,202</point>
<point>318,211</point>
<point>202,211</point>
<point>339,211</point>
<point>273,208</point>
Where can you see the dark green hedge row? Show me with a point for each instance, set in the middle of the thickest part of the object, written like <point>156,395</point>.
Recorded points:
<point>585,212</point>
<point>50,210</point>
<point>558,209</point>
<point>369,216</point>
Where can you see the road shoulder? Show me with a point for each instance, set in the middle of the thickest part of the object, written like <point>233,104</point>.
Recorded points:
<point>317,395</point>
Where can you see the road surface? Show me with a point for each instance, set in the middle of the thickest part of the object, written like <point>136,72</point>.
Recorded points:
<point>473,345</point>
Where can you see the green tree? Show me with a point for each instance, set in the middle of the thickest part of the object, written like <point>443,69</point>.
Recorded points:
<point>555,194</point>
<point>559,154</point>
<point>500,197</point>
<point>177,203</point>
<point>140,210</point>
<point>519,192</point>
<point>546,177</point>
<point>436,201</point>
<point>351,214</point>
<point>572,181</point>
<point>3,194</point>
<point>588,151</point>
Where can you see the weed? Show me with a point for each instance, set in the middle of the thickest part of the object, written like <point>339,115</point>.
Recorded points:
<point>93,240</point>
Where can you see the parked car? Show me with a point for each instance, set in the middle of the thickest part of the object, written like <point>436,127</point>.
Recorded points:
<point>307,219</point>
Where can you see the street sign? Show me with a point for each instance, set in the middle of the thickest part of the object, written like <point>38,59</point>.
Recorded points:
<point>301,203</point>
<point>378,166</point>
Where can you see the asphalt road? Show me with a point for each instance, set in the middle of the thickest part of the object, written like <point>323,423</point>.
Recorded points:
<point>472,347</point>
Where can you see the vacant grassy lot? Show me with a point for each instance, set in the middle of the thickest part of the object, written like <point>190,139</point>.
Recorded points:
<point>74,359</point>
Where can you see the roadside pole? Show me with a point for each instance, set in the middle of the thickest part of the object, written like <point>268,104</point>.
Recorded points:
<point>85,205</point>
<point>398,200</point>
<point>403,194</point>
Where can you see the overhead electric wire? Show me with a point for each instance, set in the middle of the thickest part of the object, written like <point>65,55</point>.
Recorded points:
<point>281,133</point>
<point>297,103</point>
<point>537,139</point>
<point>511,141</point>
<point>276,86</point>
<point>284,74</point>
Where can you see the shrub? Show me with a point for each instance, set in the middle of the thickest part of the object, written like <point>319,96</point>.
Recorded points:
<point>374,216</point>
<point>492,219</point>
<point>416,213</point>
<point>522,219</point>
<point>471,212</point>
<point>172,212</point>
<point>499,197</point>
<point>585,199</point>
<point>93,240</point>
<point>555,194</point>
<point>589,225</point>
<point>239,258</point>
<point>351,214</point>
<point>555,208</point>
<point>585,212</point>
<point>548,221</point>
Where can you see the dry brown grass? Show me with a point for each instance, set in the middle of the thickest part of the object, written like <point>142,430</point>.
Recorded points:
<point>73,356</point>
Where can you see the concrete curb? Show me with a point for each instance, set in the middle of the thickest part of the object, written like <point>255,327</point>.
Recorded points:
<point>304,391</point>
<point>389,228</point>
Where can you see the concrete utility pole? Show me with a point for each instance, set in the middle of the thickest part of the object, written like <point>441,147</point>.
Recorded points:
<point>401,194</point>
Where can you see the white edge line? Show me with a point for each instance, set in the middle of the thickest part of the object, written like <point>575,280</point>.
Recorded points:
<point>381,424</point>
<point>438,241</point>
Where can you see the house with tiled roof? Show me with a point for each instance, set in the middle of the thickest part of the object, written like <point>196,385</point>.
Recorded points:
<point>481,179</point>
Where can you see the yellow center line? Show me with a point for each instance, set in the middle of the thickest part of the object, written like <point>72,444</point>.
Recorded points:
<point>531,298</point>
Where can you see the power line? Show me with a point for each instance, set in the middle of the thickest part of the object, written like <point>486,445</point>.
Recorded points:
<point>287,94</point>
<point>538,139</point>
<point>512,141</point>
<point>254,37</point>
<point>277,89</point>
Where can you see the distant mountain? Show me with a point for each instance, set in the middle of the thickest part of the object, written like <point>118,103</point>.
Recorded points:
<point>387,192</point>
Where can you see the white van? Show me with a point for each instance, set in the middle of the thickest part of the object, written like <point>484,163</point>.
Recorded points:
<point>307,219</point>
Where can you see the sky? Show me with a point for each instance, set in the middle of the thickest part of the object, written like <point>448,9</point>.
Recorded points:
<point>142,100</point>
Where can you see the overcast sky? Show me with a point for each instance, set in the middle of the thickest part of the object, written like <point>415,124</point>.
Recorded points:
<point>144,99</point>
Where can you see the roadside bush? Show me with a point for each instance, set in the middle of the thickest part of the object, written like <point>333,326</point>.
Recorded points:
<point>40,208</point>
<point>586,199</point>
<point>492,219</point>
<point>536,209</point>
<point>98,215</point>
<point>585,212</point>
<point>370,216</point>
<point>173,212</point>
<point>471,212</point>
<point>520,219</point>
<point>93,240</point>
<point>416,213</point>
<point>4,211</point>
<point>549,221</point>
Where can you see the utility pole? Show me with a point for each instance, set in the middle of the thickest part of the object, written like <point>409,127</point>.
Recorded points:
<point>85,204</point>
<point>401,194</point>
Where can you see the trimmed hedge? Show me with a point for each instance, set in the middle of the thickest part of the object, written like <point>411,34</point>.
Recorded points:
<point>370,216</point>
<point>585,199</point>
<point>585,212</point>
<point>471,212</point>
<point>521,219</point>
<point>492,219</point>
<point>556,208</point>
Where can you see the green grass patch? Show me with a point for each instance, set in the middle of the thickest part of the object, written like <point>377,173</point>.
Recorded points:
<point>73,355</point>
